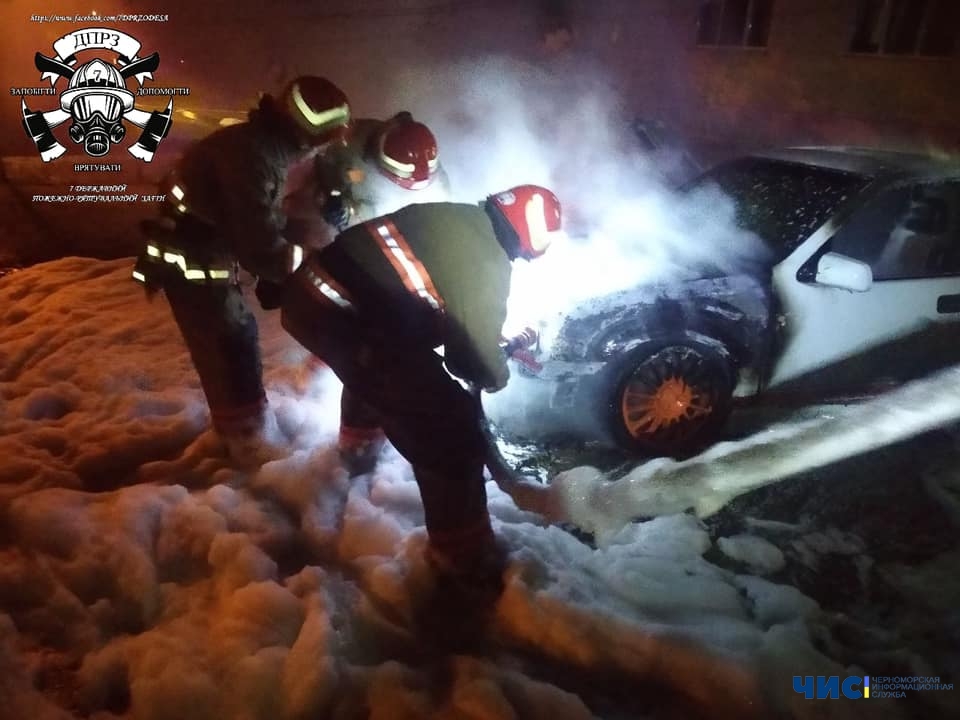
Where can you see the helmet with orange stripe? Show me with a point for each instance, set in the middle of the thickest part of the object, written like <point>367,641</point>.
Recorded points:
<point>526,219</point>
<point>318,108</point>
<point>407,152</point>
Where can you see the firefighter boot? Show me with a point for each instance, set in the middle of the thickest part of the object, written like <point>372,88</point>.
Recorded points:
<point>359,449</point>
<point>467,584</point>
<point>250,434</point>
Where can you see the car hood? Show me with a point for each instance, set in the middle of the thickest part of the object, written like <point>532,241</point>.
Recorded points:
<point>659,309</point>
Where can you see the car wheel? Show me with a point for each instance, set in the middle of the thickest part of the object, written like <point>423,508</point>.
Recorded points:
<point>671,399</point>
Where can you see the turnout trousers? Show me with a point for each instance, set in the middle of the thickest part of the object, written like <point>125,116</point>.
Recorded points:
<point>429,417</point>
<point>221,334</point>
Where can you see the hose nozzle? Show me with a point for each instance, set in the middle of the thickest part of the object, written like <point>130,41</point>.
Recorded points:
<point>526,339</point>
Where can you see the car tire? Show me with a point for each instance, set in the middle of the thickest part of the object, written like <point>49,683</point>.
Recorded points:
<point>671,398</point>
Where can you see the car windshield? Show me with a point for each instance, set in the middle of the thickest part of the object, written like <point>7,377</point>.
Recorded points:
<point>781,202</point>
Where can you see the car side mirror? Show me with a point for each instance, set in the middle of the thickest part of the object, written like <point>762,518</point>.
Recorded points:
<point>839,271</point>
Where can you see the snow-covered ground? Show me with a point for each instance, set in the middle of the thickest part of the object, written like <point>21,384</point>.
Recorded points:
<point>142,576</point>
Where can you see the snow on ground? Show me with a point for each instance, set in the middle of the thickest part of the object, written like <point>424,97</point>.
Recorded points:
<point>142,576</point>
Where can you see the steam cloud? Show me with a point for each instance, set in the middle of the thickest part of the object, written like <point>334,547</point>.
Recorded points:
<point>501,122</point>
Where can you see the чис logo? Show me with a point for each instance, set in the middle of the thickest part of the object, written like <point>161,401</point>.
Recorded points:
<point>96,97</point>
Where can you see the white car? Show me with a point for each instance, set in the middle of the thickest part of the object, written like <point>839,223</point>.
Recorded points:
<point>861,289</point>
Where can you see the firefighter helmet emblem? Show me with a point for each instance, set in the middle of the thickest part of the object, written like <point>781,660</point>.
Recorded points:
<point>97,99</point>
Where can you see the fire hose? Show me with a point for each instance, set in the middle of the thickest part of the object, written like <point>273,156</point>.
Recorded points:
<point>526,491</point>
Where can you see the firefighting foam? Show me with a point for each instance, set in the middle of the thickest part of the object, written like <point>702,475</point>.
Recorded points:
<point>709,481</point>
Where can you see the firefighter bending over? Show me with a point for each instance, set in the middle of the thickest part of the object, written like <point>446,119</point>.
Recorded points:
<point>377,304</point>
<point>384,165</point>
<point>224,209</point>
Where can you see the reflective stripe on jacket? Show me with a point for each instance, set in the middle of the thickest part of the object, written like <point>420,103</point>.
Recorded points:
<point>235,180</point>
<point>159,259</point>
<point>403,272</point>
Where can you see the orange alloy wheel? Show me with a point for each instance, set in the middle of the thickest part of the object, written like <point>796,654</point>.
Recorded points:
<point>672,401</point>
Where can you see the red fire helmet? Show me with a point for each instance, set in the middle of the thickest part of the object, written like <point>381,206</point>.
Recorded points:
<point>534,214</point>
<point>407,153</point>
<point>319,108</point>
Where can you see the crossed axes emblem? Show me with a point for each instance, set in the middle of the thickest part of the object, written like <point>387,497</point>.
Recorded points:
<point>155,124</point>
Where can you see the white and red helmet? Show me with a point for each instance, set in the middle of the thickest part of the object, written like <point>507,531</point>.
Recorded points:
<point>318,108</point>
<point>407,153</point>
<point>533,214</point>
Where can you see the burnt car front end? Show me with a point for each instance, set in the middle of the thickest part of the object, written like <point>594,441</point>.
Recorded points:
<point>571,387</point>
<point>655,367</point>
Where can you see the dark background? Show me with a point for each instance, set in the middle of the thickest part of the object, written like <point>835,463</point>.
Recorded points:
<point>721,75</point>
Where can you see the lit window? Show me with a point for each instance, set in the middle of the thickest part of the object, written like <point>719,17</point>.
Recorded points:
<point>906,27</point>
<point>743,23</point>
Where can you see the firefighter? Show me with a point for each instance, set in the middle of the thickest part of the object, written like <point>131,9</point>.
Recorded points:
<point>371,174</point>
<point>386,161</point>
<point>378,303</point>
<point>384,165</point>
<point>223,211</point>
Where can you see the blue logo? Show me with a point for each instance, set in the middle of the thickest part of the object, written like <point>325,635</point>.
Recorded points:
<point>853,687</point>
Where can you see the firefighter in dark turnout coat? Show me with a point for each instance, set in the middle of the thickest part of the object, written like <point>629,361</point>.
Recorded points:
<point>383,166</point>
<point>223,209</point>
<point>378,303</point>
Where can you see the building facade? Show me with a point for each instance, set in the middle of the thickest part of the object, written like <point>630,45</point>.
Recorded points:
<point>733,74</point>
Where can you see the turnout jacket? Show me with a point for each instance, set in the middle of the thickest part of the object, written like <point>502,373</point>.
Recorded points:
<point>235,179</point>
<point>427,275</point>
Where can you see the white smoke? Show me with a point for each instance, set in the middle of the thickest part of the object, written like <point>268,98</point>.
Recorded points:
<point>502,122</point>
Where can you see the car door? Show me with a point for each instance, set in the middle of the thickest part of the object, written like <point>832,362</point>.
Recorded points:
<point>839,341</point>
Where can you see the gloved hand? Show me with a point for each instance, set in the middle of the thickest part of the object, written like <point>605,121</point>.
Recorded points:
<point>336,211</point>
<point>270,294</point>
